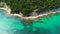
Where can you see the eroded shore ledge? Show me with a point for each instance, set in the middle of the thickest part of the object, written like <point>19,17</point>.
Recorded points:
<point>8,10</point>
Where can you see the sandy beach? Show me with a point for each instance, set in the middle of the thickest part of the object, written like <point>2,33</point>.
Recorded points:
<point>8,10</point>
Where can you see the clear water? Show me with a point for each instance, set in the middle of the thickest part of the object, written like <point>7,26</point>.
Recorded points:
<point>43,25</point>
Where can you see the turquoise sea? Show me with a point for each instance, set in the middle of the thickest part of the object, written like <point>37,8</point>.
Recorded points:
<point>15,25</point>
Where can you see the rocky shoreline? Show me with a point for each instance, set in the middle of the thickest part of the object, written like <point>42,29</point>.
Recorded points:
<point>8,10</point>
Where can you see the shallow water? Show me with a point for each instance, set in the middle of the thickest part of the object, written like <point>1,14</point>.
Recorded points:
<point>15,25</point>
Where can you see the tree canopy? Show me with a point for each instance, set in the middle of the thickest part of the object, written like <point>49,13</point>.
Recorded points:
<point>26,6</point>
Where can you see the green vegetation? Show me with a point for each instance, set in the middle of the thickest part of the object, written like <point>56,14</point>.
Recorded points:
<point>26,6</point>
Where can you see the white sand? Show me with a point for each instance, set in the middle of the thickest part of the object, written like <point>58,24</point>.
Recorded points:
<point>31,17</point>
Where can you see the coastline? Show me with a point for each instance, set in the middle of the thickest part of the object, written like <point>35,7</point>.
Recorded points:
<point>8,10</point>
<point>31,17</point>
